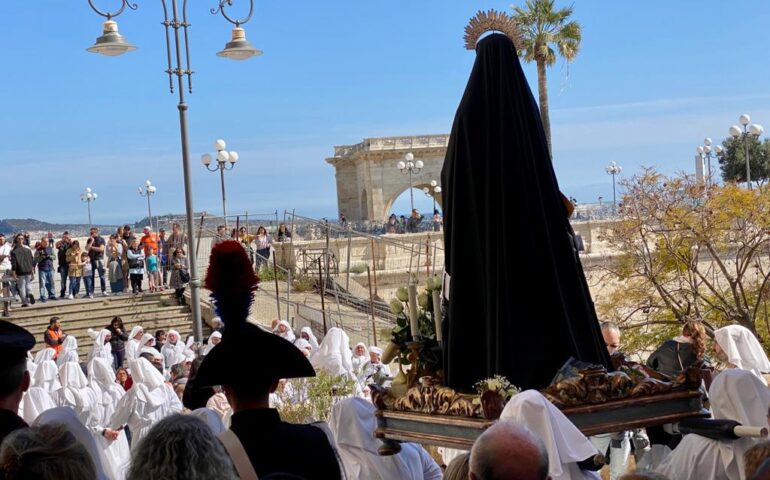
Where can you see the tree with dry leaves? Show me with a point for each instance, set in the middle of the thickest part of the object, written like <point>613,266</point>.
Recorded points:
<point>684,253</point>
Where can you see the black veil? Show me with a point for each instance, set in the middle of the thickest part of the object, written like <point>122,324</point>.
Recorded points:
<point>519,303</point>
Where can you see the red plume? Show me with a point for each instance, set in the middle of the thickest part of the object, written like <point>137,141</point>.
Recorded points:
<point>231,279</point>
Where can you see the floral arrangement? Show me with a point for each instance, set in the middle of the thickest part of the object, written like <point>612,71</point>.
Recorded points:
<point>431,353</point>
<point>494,393</point>
<point>498,384</point>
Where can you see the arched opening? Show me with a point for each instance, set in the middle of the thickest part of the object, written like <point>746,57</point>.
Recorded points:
<point>402,204</point>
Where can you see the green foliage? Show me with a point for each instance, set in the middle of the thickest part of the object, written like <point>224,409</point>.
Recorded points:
<point>546,31</point>
<point>358,268</point>
<point>311,399</point>
<point>733,163</point>
<point>303,283</point>
<point>431,357</point>
<point>268,274</point>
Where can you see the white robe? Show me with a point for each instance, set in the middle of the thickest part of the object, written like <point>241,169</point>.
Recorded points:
<point>100,348</point>
<point>310,337</point>
<point>116,453</point>
<point>566,445</point>
<point>288,334</point>
<point>735,394</point>
<point>333,355</point>
<point>36,400</point>
<point>353,423</point>
<point>743,349</point>
<point>133,345</point>
<point>210,345</point>
<point>170,352</point>
<point>69,351</point>
<point>45,354</point>
<point>148,401</point>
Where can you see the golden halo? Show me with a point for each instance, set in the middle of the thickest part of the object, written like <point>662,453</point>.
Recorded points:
<point>491,20</point>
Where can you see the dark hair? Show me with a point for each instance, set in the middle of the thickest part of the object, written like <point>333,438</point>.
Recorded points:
<point>261,228</point>
<point>158,333</point>
<point>119,320</point>
<point>11,378</point>
<point>52,321</point>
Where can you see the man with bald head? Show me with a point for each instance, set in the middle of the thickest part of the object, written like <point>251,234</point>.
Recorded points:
<point>508,451</point>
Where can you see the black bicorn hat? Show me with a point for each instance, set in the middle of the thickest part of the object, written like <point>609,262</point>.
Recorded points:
<point>15,342</point>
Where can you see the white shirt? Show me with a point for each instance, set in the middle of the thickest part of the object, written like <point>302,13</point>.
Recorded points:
<point>6,263</point>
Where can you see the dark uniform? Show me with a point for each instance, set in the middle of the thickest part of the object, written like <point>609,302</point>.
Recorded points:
<point>273,446</point>
<point>15,342</point>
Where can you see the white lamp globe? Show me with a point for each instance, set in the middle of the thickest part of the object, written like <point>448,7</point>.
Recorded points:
<point>409,157</point>
<point>419,164</point>
<point>206,159</point>
<point>719,149</point>
<point>699,150</point>
<point>756,129</point>
<point>151,189</point>
<point>88,189</point>
<point>140,189</point>
<point>735,131</point>
<point>745,119</point>
<point>148,183</point>
<point>223,156</point>
<point>437,189</point>
<point>433,183</point>
<point>234,157</point>
<point>401,165</point>
<point>426,190</point>
<point>220,144</point>
<point>707,141</point>
<point>707,149</point>
<point>93,196</point>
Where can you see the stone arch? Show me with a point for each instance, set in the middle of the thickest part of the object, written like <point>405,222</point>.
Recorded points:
<point>392,199</point>
<point>368,181</point>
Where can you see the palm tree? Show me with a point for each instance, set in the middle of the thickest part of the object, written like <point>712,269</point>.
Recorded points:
<point>546,30</point>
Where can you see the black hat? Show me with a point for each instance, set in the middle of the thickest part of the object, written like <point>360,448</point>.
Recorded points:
<point>15,342</point>
<point>273,357</point>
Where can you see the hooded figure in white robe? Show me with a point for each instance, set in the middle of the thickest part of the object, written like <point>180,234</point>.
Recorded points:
<point>134,342</point>
<point>214,340</point>
<point>352,423</point>
<point>374,367</point>
<point>283,330</point>
<point>566,445</point>
<point>70,419</point>
<point>742,350</point>
<point>333,355</point>
<point>147,402</point>
<point>173,346</point>
<point>735,394</point>
<point>359,358</point>
<point>101,347</point>
<point>69,351</point>
<point>307,334</point>
<point>75,392</point>
<point>116,452</point>
<point>304,346</point>
<point>40,396</point>
<point>44,354</point>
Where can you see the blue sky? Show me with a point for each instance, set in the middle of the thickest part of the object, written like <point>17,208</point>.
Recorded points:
<point>652,80</point>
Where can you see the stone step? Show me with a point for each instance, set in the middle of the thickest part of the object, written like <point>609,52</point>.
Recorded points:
<point>103,312</point>
<point>74,308</point>
<point>100,321</point>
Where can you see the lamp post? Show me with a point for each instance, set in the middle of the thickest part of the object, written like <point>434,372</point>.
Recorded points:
<point>754,130</point>
<point>111,43</point>
<point>613,169</point>
<point>88,196</point>
<point>225,161</point>
<point>434,190</point>
<point>706,153</point>
<point>148,191</point>
<point>408,167</point>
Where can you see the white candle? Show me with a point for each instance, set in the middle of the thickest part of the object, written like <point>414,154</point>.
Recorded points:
<point>413,315</point>
<point>437,313</point>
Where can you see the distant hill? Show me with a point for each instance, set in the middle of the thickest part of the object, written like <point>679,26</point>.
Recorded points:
<point>13,225</point>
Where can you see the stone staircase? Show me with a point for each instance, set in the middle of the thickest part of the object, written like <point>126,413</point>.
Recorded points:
<point>153,311</point>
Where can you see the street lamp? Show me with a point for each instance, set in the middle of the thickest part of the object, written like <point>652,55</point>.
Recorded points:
<point>409,167</point>
<point>148,191</point>
<point>225,161</point>
<point>613,169</point>
<point>754,130</point>
<point>706,152</point>
<point>111,43</point>
<point>88,196</point>
<point>434,190</point>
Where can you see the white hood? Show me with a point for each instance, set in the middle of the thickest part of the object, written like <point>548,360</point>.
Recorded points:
<point>743,349</point>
